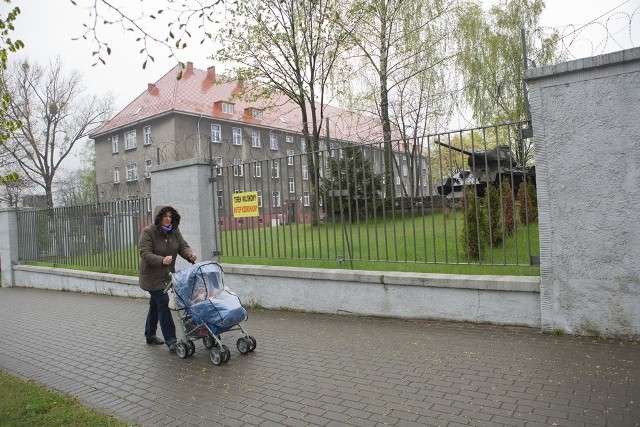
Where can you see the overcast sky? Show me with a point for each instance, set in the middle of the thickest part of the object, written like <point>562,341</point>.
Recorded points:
<point>47,28</point>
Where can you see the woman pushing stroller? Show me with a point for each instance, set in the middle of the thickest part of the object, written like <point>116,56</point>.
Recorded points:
<point>159,244</point>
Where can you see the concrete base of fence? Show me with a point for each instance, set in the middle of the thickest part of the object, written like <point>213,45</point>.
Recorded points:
<point>506,300</point>
<point>60,279</point>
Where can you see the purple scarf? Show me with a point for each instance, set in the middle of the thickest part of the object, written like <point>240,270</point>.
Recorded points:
<point>167,229</point>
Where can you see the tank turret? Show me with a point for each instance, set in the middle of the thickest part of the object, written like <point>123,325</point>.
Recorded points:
<point>489,166</point>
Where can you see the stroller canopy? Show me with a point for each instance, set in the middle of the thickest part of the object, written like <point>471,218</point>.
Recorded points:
<point>198,282</point>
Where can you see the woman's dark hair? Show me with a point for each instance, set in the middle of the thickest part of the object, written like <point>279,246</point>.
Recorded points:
<point>175,217</point>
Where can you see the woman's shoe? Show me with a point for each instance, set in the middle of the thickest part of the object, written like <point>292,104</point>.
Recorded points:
<point>173,346</point>
<point>154,341</point>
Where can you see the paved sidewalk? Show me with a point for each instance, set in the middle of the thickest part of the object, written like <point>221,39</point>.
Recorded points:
<point>323,370</point>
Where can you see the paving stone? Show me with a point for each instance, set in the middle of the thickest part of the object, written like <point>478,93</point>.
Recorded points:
<point>308,370</point>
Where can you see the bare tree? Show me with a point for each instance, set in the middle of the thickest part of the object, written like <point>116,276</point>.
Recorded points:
<point>402,48</point>
<point>55,114</point>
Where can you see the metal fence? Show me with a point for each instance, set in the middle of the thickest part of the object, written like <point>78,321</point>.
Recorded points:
<point>99,235</point>
<point>450,198</point>
<point>453,198</point>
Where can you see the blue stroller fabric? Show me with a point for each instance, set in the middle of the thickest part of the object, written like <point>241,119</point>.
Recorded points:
<point>220,313</point>
<point>200,290</point>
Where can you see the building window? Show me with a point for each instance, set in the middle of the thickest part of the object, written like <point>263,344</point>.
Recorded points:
<point>257,171</point>
<point>227,108</point>
<point>147,135</point>
<point>331,149</point>
<point>405,170</point>
<point>292,185</point>
<point>303,145</point>
<point>147,166</point>
<point>305,198</point>
<point>116,175</point>
<point>238,167</point>
<point>217,163</point>
<point>132,172</point>
<point>275,199</point>
<point>273,141</point>
<point>255,139</point>
<point>340,153</point>
<point>220,199</point>
<point>237,136</point>
<point>275,169</point>
<point>305,172</point>
<point>114,144</point>
<point>257,114</point>
<point>290,157</point>
<point>259,199</point>
<point>215,133</point>
<point>397,180</point>
<point>130,140</point>
<point>289,139</point>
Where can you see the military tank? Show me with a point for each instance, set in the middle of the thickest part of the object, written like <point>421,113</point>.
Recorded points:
<point>490,166</point>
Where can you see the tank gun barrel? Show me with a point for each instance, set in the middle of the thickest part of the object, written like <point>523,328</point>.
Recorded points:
<point>459,150</point>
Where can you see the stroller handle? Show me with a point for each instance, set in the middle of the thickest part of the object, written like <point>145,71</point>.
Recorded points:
<point>170,284</point>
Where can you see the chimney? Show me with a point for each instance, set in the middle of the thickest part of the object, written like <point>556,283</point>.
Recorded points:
<point>211,73</point>
<point>189,67</point>
<point>150,87</point>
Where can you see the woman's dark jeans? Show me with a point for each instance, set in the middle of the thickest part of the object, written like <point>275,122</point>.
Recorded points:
<point>159,309</point>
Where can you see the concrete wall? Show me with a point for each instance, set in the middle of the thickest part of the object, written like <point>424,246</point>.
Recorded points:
<point>587,133</point>
<point>586,122</point>
<point>478,299</point>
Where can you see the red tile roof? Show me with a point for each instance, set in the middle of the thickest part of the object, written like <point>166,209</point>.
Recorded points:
<point>198,93</point>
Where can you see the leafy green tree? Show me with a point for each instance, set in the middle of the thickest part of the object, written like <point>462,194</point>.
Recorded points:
<point>8,124</point>
<point>492,60</point>
<point>169,26</point>
<point>351,186</point>
<point>400,48</point>
<point>287,48</point>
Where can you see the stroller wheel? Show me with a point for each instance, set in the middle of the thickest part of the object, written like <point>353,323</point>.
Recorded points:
<point>243,344</point>
<point>182,350</point>
<point>192,347</point>
<point>216,356</point>
<point>253,343</point>
<point>226,354</point>
<point>208,342</point>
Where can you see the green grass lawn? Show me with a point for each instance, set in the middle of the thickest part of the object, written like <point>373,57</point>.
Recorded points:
<point>25,403</point>
<point>424,244</point>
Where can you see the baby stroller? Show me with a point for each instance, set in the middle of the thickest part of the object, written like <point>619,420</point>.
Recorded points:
<point>207,309</point>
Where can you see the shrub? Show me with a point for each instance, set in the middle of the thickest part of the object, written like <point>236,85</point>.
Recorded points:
<point>508,215</point>
<point>528,200</point>
<point>474,237</point>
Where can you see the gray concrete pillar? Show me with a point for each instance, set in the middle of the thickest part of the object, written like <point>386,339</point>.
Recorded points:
<point>586,133</point>
<point>188,186</point>
<point>8,245</point>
